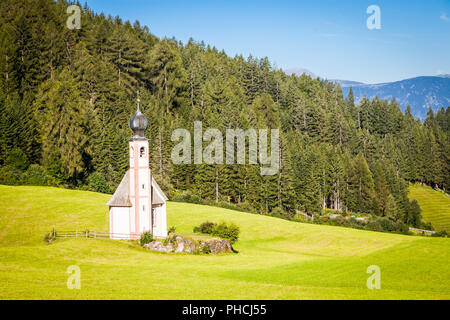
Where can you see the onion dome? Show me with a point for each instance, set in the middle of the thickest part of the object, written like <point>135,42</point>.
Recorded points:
<point>138,123</point>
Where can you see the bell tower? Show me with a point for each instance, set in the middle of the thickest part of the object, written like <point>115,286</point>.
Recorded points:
<point>140,187</point>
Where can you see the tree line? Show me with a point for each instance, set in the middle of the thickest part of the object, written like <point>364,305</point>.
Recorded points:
<point>66,97</point>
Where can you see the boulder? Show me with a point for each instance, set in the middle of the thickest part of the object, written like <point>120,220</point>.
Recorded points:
<point>180,244</point>
<point>158,246</point>
<point>219,245</point>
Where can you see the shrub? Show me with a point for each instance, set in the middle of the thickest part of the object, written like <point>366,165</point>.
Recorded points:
<point>339,220</point>
<point>426,226</point>
<point>17,159</point>
<point>324,219</point>
<point>9,176</point>
<point>207,227</point>
<point>226,231</point>
<point>145,238</point>
<point>97,182</point>
<point>442,233</point>
<point>277,212</point>
<point>222,230</point>
<point>36,175</point>
<point>245,206</point>
<point>386,224</point>
<point>374,226</point>
<point>401,227</point>
<point>187,196</point>
<point>172,230</point>
<point>49,237</point>
<point>205,249</point>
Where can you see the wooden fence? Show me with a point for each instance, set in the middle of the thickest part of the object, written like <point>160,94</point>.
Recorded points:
<point>92,234</point>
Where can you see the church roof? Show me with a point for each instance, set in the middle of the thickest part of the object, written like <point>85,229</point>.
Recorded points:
<point>138,123</point>
<point>158,196</point>
<point>121,197</point>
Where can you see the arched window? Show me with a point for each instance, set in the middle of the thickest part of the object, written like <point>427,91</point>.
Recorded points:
<point>142,152</point>
<point>131,152</point>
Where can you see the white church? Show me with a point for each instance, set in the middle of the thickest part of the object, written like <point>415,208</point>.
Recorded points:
<point>138,204</point>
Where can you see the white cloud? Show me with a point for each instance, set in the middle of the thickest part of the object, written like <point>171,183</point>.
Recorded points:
<point>444,17</point>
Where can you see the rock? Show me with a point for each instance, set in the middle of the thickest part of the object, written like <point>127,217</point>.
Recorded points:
<point>158,246</point>
<point>219,246</point>
<point>180,244</point>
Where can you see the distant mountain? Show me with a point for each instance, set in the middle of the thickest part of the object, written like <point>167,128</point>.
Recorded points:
<point>299,72</point>
<point>419,92</point>
<point>347,83</point>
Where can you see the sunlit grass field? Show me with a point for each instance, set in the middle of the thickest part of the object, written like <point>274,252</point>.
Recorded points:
<point>435,205</point>
<point>277,259</point>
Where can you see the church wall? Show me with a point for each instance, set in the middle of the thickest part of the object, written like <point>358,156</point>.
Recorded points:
<point>120,222</point>
<point>160,228</point>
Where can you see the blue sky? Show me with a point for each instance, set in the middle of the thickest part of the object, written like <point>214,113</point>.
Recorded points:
<point>327,37</point>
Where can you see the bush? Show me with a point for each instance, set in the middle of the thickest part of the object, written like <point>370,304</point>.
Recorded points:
<point>386,224</point>
<point>277,212</point>
<point>97,182</point>
<point>17,160</point>
<point>205,249</point>
<point>245,206</point>
<point>226,231</point>
<point>49,237</point>
<point>442,233</point>
<point>401,227</point>
<point>187,196</point>
<point>207,227</point>
<point>426,226</point>
<point>145,238</point>
<point>171,230</point>
<point>36,175</point>
<point>374,226</point>
<point>222,230</point>
<point>9,176</point>
<point>339,220</point>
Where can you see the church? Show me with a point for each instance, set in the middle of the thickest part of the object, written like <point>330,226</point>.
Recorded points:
<point>138,204</point>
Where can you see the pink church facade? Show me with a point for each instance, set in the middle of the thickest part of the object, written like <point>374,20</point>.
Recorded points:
<point>138,204</point>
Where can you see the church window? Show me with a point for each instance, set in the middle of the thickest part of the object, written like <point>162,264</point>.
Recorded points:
<point>142,152</point>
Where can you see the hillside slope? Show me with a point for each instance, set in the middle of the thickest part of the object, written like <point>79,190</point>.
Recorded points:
<point>277,259</point>
<point>435,206</point>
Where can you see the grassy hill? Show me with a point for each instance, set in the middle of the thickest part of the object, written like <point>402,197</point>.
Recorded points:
<point>435,205</point>
<point>277,259</point>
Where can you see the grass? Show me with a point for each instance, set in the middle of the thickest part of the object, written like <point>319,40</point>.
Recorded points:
<point>435,205</point>
<point>277,259</point>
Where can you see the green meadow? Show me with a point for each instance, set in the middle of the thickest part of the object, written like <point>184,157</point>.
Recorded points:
<point>435,205</point>
<point>277,259</point>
